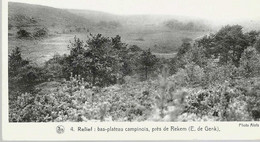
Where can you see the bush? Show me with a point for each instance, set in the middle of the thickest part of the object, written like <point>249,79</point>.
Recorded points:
<point>251,95</point>
<point>40,33</point>
<point>74,101</point>
<point>219,101</point>
<point>23,34</point>
<point>237,101</point>
<point>217,74</point>
<point>56,67</point>
<point>250,63</point>
<point>191,75</point>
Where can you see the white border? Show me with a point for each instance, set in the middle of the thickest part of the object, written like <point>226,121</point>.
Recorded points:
<point>47,131</point>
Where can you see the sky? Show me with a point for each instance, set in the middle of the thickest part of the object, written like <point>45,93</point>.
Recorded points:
<point>213,10</point>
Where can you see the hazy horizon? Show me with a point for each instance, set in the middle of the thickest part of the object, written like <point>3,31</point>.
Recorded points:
<point>231,10</point>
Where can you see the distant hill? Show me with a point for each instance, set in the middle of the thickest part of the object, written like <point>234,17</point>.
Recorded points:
<point>21,14</point>
<point>95,16</point>
<point>137,20</point>
<point>25,15</point>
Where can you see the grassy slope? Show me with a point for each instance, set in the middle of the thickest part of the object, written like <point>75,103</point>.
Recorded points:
<point>46,16</point>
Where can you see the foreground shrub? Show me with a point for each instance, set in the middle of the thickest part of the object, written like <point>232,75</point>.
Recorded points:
<point>251,95</point>
<point>250,63</point>
<point>217,74</point>
<point>191,75</point>
<point>227,102</point>
<point>22,75</point>
<point>73,100</point>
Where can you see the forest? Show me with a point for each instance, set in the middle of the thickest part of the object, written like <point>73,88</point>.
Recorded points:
<point>213,78</point>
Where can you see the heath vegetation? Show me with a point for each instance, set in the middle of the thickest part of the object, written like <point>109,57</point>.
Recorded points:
<point>213,78</point>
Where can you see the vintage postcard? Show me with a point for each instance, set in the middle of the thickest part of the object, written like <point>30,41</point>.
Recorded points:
<point>130,69</point>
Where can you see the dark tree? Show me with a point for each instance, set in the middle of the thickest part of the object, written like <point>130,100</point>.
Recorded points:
<point>99,60</point>
<point>228,44</point>
<point>147,62</point>
<point>15,61</point>
<point>22,77</point>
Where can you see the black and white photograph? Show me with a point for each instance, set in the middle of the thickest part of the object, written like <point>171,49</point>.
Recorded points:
<point>133,61</point>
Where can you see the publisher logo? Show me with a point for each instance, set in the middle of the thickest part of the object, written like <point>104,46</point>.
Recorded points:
<point>60,129</point>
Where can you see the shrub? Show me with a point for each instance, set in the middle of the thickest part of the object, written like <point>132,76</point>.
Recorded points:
<point>251,95</point>
<point>216,73</point>
<point>250,63</point>
<point>40,33</point>
<point>73,100</point>
<point>191,75</point>
<point>56,67</point>
<point>215,101</point>
<point>236,101</point>
<point>23,34</point>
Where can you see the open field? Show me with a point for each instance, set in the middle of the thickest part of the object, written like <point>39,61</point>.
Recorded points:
<point>161,42</point>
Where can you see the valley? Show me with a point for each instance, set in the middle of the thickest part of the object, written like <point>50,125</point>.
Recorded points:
<point>70,23</point>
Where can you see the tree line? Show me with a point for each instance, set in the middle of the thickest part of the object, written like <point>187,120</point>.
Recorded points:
<point>104,61</point>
